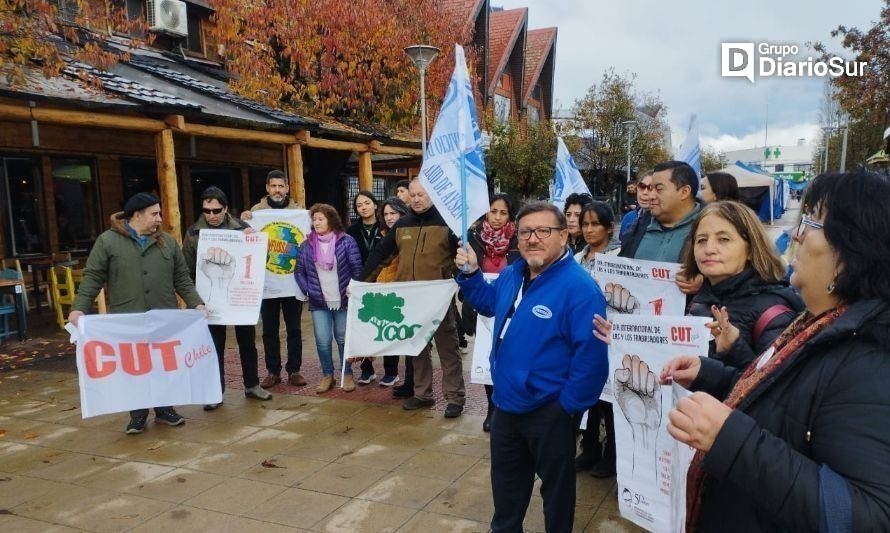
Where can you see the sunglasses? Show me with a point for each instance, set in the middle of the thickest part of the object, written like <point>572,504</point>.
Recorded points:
<point>208,211</point>
<point>645,187</point>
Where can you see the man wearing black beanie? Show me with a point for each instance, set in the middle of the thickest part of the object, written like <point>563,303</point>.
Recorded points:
<point>143,269</point>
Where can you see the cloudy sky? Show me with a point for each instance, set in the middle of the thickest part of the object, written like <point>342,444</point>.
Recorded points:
<point>674,49</point>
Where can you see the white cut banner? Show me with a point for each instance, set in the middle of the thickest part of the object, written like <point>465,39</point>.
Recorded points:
<point>230,274</point>
<point>287,229</point>
<point>648,463</point>
<point>397,318</point>
<point>141,360</point>
<point>637,287</point>
<point>480,371</point>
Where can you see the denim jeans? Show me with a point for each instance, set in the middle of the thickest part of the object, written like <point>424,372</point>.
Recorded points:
<point>329,325</point>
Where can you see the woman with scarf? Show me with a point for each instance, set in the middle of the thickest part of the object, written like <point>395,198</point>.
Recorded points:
<point>494,241</point>
<point>329,259</point>
<point>798,439</point>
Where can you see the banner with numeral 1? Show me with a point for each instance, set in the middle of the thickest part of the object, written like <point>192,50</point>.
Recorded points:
<point>230,275</point>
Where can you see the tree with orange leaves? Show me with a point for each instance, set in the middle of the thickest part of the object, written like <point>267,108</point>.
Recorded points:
<point>37,33</point>
<point>337,58</point>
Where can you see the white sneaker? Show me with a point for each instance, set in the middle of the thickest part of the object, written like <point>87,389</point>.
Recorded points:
<point>257,393</point>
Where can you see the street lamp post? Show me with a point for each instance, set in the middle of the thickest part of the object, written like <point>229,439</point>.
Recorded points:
<point>628,127</point>
<point>422,55</point>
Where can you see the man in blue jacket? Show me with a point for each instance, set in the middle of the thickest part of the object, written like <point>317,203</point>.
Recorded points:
<point>546,365</point>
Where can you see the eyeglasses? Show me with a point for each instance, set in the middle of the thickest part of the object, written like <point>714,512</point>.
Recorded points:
<point>804,222</point>
<point>541,233</point>
<point>208,211</point>
<point>645,187</point>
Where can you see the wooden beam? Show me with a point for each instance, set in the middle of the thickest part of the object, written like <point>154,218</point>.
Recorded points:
<point>177,122</point>
<point>302,137</point>
<point>330,144</point>
<point>374,145</point>
<point>235,134</point>
<point>49,201</point>
<point>365,172</point>
<point>398,150</point>
<point>87,119</point>
<point>166,161</point>
<point>294,154</point>
<point>245,190</point>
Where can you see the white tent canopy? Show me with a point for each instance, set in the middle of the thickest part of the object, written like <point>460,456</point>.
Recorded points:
<point>746,178</point>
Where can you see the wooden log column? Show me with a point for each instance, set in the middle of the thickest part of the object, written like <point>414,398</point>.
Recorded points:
<point>365,172</point>
<point>294,154</point>
<point>166,161</point>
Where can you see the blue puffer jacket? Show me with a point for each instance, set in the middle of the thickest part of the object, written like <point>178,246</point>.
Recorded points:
<point>548,350</point>
<point>349,265</point>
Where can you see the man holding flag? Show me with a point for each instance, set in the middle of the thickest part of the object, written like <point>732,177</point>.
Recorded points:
<point>425,249</point>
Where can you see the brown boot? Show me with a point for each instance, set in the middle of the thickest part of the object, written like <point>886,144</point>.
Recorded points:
<point>326,384</point>
<point>270,381</point>
<point>348,383</point>
<point>296,379</point>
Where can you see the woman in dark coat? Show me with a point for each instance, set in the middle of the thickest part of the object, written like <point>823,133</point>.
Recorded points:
<point>799,440</point>
<point>743,278</point>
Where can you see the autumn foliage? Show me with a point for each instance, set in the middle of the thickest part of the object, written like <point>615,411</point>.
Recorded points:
<point>35,32</point>
<point>338,58</point>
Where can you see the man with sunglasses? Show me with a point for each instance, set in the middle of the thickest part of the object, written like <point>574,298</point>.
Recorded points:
<point>546,365</point>
<point>215,207</point>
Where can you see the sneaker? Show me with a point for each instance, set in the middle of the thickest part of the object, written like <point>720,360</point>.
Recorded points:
<point>605,468</point>
<point>296,379</point>
<point>405,390</point>
<point>212,406</point>
<point>367,378</point>
<point>137,424</point>
<point>257,393</point>
<point>389,381</point>
<point>326,384</point>
<point>169,417</point>
<point>348,383</point>
<point>452,410</point>
<point>414,403</point>
<point>270,381</point>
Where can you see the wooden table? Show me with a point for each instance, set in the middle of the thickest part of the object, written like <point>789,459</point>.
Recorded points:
<point>40,264</point>
<point>17,287</point>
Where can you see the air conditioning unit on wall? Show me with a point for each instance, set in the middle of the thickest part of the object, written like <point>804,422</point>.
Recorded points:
<point>168,16</point>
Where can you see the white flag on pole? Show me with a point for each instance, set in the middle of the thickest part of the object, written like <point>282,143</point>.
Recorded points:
<point>567,178</point>
<point>456,143</point>
<point>690,150</point>
<point>395,318</point>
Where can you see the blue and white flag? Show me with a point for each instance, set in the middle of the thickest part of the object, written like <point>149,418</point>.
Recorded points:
<point>690,150</point>
<point>453,171</point>
<point>567,178</point>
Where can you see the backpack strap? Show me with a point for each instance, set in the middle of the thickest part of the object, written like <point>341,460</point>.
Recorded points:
<point>766,317</point>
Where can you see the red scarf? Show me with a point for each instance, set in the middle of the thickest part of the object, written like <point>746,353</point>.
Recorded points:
<point>804,328</point>
<point>497,244</point>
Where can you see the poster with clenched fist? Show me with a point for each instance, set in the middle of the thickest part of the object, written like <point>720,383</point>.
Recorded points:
<point>651,468</point>
<point>230,274</point>
<point>637,287</point>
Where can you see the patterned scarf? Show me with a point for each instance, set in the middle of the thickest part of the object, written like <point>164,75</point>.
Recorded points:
<point>323,248</point>
<point>804,328</point>
<point>497,243</point>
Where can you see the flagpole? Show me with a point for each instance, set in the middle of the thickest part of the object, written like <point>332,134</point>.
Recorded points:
<point>465,206</point>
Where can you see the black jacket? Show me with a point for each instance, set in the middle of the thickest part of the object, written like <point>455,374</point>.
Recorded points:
<point>366,242</point>
<point>828,404</point>
<point>747,297</point>
<point>631,240</point>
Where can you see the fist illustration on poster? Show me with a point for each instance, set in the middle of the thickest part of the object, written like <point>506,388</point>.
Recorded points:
<point>219,266</point>
<point>638,394</point>
<point>620,299</point>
